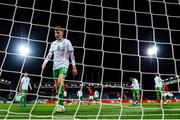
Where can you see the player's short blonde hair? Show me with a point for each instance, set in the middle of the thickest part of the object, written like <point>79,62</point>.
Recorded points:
<point>58,28</point>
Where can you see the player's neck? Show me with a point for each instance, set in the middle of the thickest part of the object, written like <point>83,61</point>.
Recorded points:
<point>60,40</point>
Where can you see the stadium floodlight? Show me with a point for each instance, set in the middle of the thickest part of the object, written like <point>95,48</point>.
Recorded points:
<point>24,50</point>
<point>152,51</point>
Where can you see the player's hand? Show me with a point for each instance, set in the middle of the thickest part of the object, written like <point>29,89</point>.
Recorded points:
<point>43,66</point>
<point>74,71</point>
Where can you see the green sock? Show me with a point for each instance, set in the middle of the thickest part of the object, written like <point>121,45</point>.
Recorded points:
<point>61,95</point>
<point>24,100</point>
<point>21,102</point>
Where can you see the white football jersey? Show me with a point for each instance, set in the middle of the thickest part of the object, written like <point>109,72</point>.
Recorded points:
<point>79,93</point>
<point>158,81</point>
<point>25,82</point>
<point>96,94</point>
<point>61,51</point>
<point>135,83</point>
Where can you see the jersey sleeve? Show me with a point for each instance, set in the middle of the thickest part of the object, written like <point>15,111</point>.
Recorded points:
<point>51,48</point>
<point>70,47</point>
<point>70,50</point>
<point>22,79</point>
<point>132,85</point>
<point>72,58</point>
<point>48,57</point>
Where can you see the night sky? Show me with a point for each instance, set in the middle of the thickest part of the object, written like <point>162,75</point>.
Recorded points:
<point>110,42</point>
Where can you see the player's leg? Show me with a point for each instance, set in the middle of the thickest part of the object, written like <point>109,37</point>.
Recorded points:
<point>137,96</point>
<point>96,100</point>
<point>158,94</point>
<point>90,99</point>
<point>23,98</point>
<point>62,74</point>
<point>134,97</point>
<point>163,95</point>
<point>55,76</point>
<point>81,99</point>
<point>55,86</point>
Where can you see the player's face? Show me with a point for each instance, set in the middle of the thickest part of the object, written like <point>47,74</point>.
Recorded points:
<point>58,34</point>
<point>25,74</point>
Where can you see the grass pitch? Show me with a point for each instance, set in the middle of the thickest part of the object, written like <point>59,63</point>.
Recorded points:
<point>92,111</point>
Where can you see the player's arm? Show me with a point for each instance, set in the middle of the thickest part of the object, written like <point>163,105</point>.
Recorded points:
<point>74,69</point>
<point>155,81</point>
<point>71,53</point>
<point>30,85</point>
<point>20,86</point>
<point>48,57</point>
<point>131,86</point>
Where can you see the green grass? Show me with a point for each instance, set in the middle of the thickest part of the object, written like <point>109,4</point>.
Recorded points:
<point>93,111</point>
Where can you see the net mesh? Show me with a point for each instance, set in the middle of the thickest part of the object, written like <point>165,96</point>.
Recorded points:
<point>110,40</point>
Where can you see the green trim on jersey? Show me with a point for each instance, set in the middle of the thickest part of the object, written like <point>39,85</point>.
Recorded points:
<point>136,91</point>
<point>62,70</point>
<point>24,91</point>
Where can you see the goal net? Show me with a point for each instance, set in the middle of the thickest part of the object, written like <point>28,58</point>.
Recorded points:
<point>110,40</point>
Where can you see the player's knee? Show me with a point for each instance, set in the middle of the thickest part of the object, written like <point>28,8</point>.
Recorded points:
<point>60,82</point>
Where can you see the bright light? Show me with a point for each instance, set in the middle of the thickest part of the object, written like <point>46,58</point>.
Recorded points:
<point>152,51</point>
<point>24,50</point>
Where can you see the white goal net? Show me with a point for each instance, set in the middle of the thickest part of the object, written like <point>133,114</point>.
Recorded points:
<point>110,40</point>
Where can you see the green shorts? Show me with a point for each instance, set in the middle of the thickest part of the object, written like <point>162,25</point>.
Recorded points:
<point>160,89</point>
<point>136,91</point>
<point>24,91</point>
<point>62,70</point>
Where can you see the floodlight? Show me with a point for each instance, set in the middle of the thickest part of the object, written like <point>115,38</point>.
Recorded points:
<point>152,51</point>
<point>24,50</point>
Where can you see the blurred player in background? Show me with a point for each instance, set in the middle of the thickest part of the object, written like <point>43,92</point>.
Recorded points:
<point>91,95</point>
<point>80,95</point>
<point>166,91</point>
<point>159,89</point>
<point>25,82</point>
<point>62,49</point>
<point>136,91</point>
<point>119,96</point>
<point>96,96</point>
<point>66,93</point>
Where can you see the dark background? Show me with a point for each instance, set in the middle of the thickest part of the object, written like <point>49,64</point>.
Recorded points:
<point>110,38</point>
